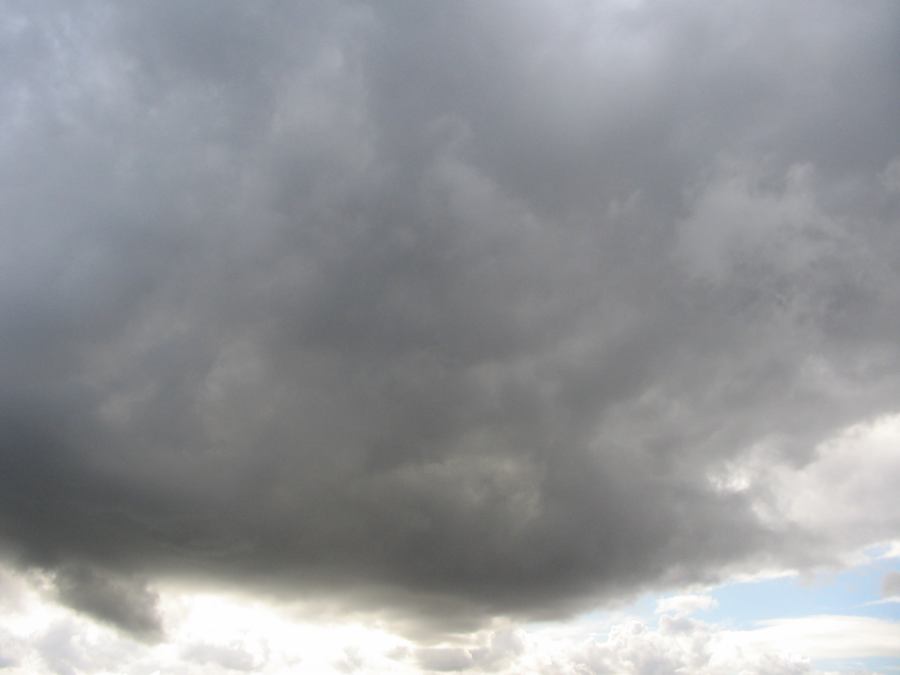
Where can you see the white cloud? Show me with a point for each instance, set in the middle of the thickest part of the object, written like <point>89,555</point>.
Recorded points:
<point>892,551</point>
<point>826,637</point>
<point>844,493</point>
<point>848,490</point>
<point>685,605</point>
<point>215,634</point>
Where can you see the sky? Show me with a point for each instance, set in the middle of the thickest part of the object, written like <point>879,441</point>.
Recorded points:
<point>487,337</point>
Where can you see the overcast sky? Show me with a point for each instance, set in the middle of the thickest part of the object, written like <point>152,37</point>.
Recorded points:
<point>443,316</point>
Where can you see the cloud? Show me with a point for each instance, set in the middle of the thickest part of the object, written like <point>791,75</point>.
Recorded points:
<point>852,509</point>
<point>219,634</point>
<point>443,312</point>
<point>497,652</point>
<point>828,637</point>
<point>680,645</point>
<point>125,603</point>
<point>685,605</point>
<point>228,657</point>
<point>890,585</point>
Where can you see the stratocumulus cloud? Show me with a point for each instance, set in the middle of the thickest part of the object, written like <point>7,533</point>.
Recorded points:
<point>459,310</point>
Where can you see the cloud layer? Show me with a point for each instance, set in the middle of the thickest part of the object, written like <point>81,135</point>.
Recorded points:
<point>218,635</point>
<point>463,309</point>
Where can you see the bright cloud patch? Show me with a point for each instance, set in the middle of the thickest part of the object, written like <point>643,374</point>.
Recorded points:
<point>217,634</point>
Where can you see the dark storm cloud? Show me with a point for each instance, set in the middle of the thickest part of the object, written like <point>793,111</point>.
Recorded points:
<point>460,304</point>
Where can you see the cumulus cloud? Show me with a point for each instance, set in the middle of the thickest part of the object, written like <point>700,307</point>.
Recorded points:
<point>496,652</point>
<point>679,645</point>
<point>218,634</point>
<point>447,311</point>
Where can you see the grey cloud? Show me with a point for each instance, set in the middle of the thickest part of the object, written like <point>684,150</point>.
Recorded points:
<point>444,659</point>
<point>497,654</point>
<point>230,657</point>
<point>125,603</point>
<point>446,308</point>
<point>890,585</point>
